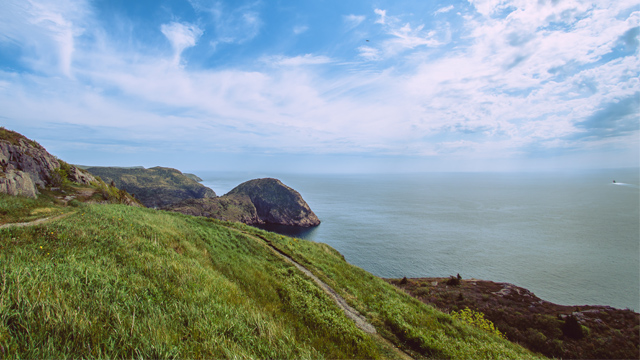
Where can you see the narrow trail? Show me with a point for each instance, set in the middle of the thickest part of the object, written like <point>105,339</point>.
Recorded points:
<point>35,222</point>
<point>353,314</point>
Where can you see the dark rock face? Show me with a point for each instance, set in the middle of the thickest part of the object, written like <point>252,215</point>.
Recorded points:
<point>26,165</point>
<point>260,201</point>
<point>155,187</point>
<point>277,203</point>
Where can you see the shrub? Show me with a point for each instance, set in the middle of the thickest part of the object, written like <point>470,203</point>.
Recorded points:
<point>454,281</point>
<point>572,329</point>
<point>476,319</point>
<point>60,176</point>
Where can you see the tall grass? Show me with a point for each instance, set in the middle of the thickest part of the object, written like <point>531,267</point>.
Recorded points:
<point>123,282</point>
<point>18,208</point>
<point>415,327</point>
<point>118,281</point>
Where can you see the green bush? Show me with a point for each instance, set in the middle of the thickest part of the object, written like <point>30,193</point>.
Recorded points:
<point>60,176</point>
<point>476,319</point>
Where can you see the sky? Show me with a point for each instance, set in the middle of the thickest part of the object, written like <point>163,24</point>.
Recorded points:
<point>325,85</point>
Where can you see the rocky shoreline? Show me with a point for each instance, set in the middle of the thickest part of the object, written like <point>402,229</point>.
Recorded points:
<point>560,331</point>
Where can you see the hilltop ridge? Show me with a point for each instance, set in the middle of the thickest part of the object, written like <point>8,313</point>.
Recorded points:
<point>155,187</point>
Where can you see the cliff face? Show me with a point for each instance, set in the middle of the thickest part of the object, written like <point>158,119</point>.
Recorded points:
<point>276,203</point>
<point>26,165</point>
<point>154,187</point>
<point>260,201</point>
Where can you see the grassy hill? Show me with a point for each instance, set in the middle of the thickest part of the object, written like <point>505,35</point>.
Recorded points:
<point>121,281</point>
<point>154,187</point>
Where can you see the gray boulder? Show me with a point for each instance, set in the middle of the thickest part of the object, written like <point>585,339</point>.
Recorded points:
<point>16,182</point>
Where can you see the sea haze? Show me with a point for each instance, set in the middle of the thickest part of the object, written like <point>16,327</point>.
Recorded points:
<point>571,238</point>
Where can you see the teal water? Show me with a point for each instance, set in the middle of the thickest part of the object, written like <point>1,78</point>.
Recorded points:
<point>571,238</point>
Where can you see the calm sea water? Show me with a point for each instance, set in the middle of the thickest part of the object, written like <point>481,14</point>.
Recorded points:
<point>571,238</point>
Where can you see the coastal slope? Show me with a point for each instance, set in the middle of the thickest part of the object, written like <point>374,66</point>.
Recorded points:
<point>557,331</point>
<point>121,282</point>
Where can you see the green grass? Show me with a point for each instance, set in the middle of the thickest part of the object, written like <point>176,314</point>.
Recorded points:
<point>16,209</point>
<point>118,281</point>
<point>411,325</point>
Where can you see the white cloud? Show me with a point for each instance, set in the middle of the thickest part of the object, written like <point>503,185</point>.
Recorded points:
<point>369,53</point>
<point>443,10</point>
<point>513,81</point>
<point>49,28</point>
<point>307,59</point>
<point>382,14</point>
<point>299,29</point>
<point>406,37</point>
<point>352,21</point>
<point>403,37</point>
<point>181,36</point>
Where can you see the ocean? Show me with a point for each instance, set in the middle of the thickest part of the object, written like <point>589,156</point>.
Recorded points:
<point>572,238</point>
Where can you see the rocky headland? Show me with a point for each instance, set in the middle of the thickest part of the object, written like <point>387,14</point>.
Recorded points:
<point>276,203</point>
<point>258,201</point>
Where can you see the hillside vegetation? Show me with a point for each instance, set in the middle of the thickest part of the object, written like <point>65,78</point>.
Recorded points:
<point>121,281</point>
<point>154,187</point>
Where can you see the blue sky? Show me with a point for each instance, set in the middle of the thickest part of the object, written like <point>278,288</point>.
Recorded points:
<point>326,86</point>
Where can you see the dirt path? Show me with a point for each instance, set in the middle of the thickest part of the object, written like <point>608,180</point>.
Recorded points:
<point>353,314</point>
<point>34,222</point>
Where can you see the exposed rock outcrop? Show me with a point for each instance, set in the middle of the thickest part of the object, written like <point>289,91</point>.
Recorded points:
<point>26,165</point>
<point>156,187</point>
<point>276,203</point>
<point>16,182</point>
<point>259,201</point>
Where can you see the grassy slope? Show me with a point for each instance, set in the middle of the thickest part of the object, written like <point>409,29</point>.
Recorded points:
<point>119,281</point>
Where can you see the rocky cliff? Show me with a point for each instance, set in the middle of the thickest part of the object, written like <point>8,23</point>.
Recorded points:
<point>259,201</point>
<point>155,187</point>
<point>25,165</point>
<point>276,203</point>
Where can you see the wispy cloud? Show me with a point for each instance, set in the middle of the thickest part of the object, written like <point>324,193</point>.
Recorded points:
<point>181,36</point>
<point>369,53</point>
<point>402,37</point>
<point>382,14</point>
<point>299,29</point>
<point>443,10</point>
<point>230,25</point>
<point>531,75</point>
<point>352,21</point>
<point>49,28</point>
<point>307,59</point>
